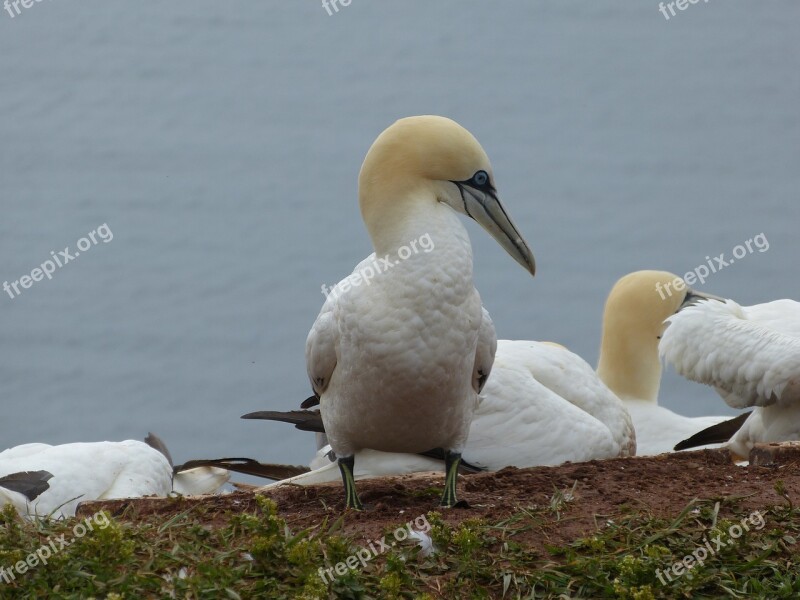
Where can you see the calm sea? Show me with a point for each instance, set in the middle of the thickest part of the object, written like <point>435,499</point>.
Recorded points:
<point>220,145</point>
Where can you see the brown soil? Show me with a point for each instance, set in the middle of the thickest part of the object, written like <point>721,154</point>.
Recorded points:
<point>662,486</point>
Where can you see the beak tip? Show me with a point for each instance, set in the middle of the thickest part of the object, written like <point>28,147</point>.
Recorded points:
<point>529,262</point>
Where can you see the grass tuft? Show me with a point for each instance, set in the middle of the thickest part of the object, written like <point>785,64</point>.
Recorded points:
<point>256,555</point>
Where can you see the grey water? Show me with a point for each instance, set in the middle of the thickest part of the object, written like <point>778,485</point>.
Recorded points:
<point>219,144</point>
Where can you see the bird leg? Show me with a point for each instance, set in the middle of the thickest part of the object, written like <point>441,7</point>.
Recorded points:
<point>451,461</point>
<point>351,496</point>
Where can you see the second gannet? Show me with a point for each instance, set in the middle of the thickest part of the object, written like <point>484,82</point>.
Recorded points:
<point>72,473</point>
<point>751,356</point>
<point>88,471</point>
<point>633,322</point>
<point>402,347</point>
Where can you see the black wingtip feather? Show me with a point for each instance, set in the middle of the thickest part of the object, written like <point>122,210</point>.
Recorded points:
<point>30,484</point>
<point>246,466</point>
<point>716,434</point>
<point>310,402</point>
<point>304,420</point>
<point>156,442</point>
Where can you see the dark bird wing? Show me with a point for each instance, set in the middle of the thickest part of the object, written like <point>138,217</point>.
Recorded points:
<point>28,483</point>
<point>304,420</point>
<point>716,434</point>
<point>156,442</point>
<point>247,466</point>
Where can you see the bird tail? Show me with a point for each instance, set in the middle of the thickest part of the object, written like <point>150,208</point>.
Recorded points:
<point>304,420</point>
<point>716,434</point>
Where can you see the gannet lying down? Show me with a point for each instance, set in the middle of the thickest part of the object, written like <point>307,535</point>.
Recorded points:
<point>96,471</point>
<point>542,405</point>
<point>633,322</point>
<point>751,356</point>
<point>402,346</point>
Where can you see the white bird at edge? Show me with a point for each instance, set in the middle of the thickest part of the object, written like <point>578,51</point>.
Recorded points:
<point>629,364</point>
<point>398,362</point>
<point>49,481</point>
<point>751,356</point>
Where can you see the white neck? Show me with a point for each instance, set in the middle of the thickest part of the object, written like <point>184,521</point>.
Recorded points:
<point>400,224</point>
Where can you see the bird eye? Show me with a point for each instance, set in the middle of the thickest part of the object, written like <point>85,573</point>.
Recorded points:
<point>480,178</point>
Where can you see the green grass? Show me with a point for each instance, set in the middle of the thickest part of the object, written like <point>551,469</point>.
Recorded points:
<point>258,556</point>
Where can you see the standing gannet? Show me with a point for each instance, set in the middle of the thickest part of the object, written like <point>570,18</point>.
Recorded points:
<point>402,347</point>
<point>78,472</point>
<point>633,322</point>
<point>751,356</point>
<point>542,405</point>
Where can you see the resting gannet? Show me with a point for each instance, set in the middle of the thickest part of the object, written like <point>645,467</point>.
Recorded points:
<point>751,356</point>
<point>77,472</point>
<point>633,322</point>
<point>542,405</point>
<point>545,405</point>
<point>402,346</point>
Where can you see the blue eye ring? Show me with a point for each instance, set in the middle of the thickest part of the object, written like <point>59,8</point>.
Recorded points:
<point>480,179</point>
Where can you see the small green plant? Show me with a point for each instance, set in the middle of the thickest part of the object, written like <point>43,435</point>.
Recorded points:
<point>560,499</point>
<point>258,554</point>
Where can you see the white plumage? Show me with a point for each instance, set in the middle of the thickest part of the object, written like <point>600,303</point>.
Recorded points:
<point>542,405</point>
<point>750,355</point>
<point>393,360</point>
<point>629,364</point>
<point>98,471</point>
<point>402,347</point>
<point>658,429</point>
<point>88,471</point>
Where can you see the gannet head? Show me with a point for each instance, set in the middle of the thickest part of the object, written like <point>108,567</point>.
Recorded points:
<point>430,158</point>
<point>633,322</point>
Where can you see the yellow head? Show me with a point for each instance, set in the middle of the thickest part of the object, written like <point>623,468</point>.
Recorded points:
<point>433,159</point>
<point>633,322</point>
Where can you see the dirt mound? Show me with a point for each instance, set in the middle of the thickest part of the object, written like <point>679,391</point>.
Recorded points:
<point>594,491</point>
